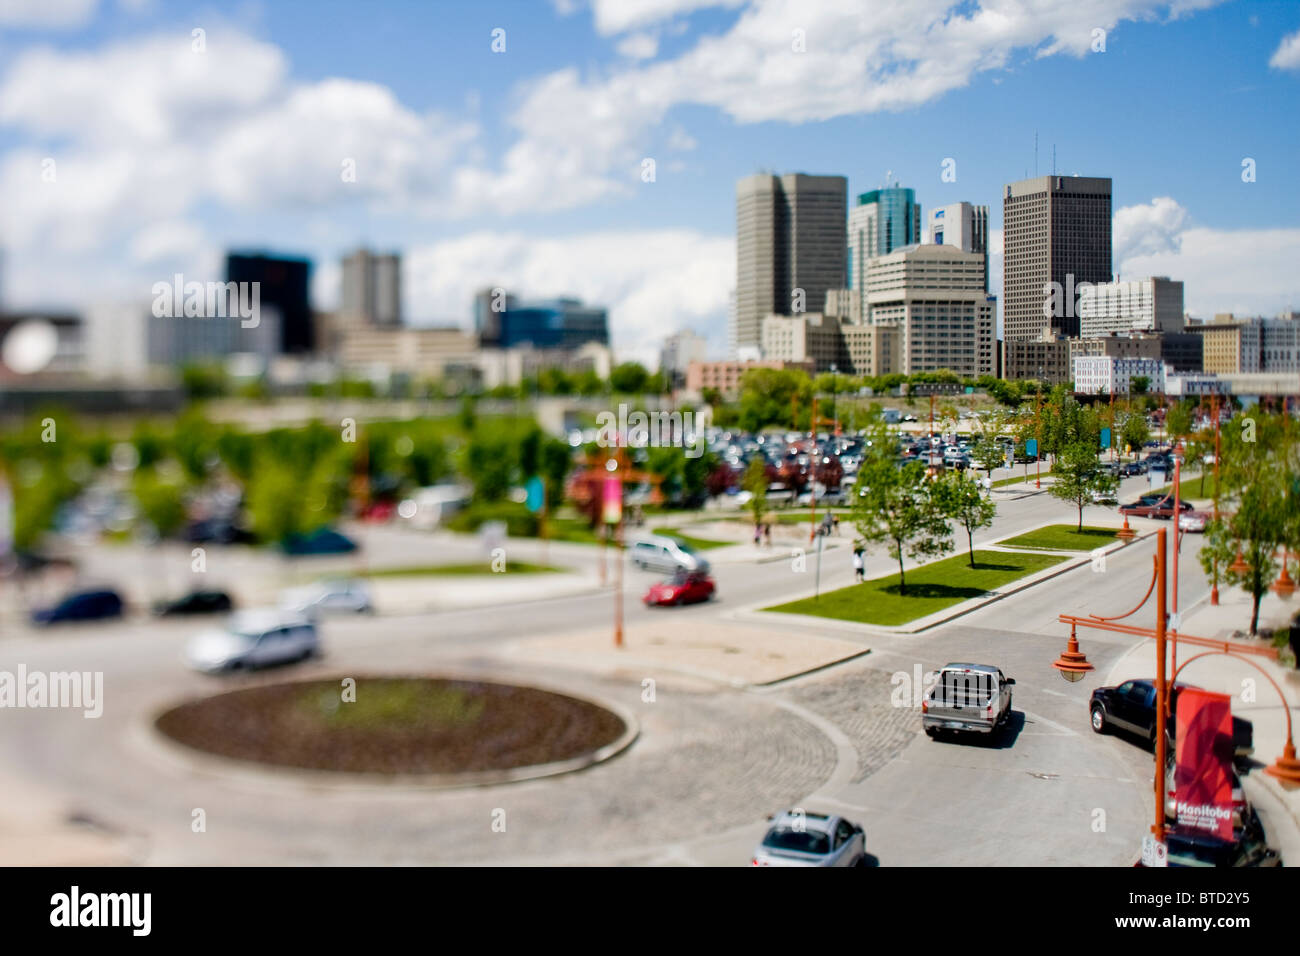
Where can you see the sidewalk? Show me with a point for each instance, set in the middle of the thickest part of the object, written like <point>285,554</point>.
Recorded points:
<point>1253,698</point>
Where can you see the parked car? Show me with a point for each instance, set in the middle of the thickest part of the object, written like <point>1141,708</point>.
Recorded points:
<point>1188,847</point>
<point>254,639</point>
<point>811,839</point>
<point>1132,469</point>
<point>967,697</point>
<point>196,602</point>
<point>1132,707</point>
<point>1154,506</point>
<point>217,531</point>
<point>320,541</point>
<point>684,587</point>
<point>330,596</point>
<point>661,553</point>
<point>81,606</point>
<point>1193,521</point>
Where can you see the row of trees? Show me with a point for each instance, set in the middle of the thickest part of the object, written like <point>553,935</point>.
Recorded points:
<point>911,512</point>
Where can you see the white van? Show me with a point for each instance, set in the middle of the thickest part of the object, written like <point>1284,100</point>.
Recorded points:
<point>659,553</point>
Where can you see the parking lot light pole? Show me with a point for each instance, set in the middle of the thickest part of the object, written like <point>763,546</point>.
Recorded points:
<point>1214,586</point>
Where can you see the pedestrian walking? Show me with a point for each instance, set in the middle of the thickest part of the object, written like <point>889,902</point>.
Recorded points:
<point>859,566</point>
<point>767,533</point>
<point>988,485</point>
<point>835,524</point>
<point>758,534</point>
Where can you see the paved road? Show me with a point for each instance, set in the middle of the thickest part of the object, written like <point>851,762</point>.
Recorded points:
<point>711,762</point>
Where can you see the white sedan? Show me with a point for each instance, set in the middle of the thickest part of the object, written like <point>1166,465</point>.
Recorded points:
<point>332,596</point>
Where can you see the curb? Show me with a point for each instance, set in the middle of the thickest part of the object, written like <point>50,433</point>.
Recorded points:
<point>147,738</point>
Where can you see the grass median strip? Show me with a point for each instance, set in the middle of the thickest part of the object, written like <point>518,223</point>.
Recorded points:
<point>1062,537</point>
<point>699,544</point>
<point>930,588</point>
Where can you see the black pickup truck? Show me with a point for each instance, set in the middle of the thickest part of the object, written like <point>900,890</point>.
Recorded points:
<point>1132,706</point>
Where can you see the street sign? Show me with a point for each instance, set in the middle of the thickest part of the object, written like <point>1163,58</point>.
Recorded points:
<point>1031,447</point>
<point>1154,853</point>
<point>535,494</point>
<point>1105,438</point>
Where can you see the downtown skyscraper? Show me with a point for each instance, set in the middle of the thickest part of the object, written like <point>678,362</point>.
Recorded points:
<point>789,248</point>
<point>1056,234</point>
<point>883,220</point>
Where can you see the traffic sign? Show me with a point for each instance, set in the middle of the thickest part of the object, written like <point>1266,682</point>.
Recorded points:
<point>1154,852</point>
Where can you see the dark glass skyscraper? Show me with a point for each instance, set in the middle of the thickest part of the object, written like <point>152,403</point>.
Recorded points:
<point>285,282</point>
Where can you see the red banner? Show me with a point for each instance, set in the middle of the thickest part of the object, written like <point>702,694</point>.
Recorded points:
<point>613,500</point>
<point>1204,762</point>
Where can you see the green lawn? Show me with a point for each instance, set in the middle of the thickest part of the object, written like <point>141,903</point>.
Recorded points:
<point>699,544</point>
<point>1190,487</point>
<point>930,588</point>
<point>475,567</point>
<point>1063,537</point>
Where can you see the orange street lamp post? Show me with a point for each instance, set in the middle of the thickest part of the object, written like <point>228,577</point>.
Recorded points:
<point>1072,664</point>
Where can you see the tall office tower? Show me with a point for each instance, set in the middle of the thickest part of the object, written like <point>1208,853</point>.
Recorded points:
<point>789,238</point>
<point>284,284</point>
<point>962,225</point>
<point>1056,234</point>
<point>503,320</point>
<point>934,295</point>
<point>882,221</point>
<point>678,352</point>
<point>372,289</point>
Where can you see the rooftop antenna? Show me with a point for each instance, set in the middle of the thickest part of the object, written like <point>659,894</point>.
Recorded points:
<point>1053,159</point>
<point>888,173</point>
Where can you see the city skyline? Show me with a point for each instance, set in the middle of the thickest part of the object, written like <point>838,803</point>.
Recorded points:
<point>489,169</point>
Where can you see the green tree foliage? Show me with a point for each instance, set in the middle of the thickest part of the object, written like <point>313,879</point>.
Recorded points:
<point>899,507</point>
<point>160,499</point>
<point>1078,475</point>
<point>755,482</point>
<point>1259,501</point>
<point>630,378</point>
<point>767,397</point>
<point>962,500</point>
<point>1134,432</point>
<point>555,461</point>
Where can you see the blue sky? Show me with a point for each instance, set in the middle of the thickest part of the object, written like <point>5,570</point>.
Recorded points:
<point>523,167</point>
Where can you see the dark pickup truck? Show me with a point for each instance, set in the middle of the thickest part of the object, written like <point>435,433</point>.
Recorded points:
<point>1132,706</point>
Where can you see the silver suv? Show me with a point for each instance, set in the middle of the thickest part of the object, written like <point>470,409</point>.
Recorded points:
<point>254,639</point>
<point>659,553</point>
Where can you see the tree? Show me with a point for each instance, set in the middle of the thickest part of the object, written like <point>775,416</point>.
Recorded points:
<point>1260,497</point>
<point>1178,422</point>
<point>555,461</point>
<point>1134,432</point>
<point>962,500</point>
<point>161,501</point>
<point>629,378</point>
<point>1139,384</point>
<point>1078,476</point>
<point>755,482</point>
<point>900,507</point>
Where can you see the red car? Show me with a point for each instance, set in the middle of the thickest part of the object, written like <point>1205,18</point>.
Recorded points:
<point>1154,506</point>
<point>681,588</point>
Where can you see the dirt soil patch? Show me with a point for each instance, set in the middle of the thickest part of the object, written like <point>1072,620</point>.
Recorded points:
<point>394,726</point>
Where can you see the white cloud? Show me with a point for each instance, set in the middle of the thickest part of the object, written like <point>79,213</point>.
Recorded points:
<point>639,46</point>
<point>617,16</point>
<point>46,14</point>
<point>1148,230</point>
<point>1247,271</point>
<point>653,283</point>
<point>854,61</point>
<point>168,241</point>
<point>1287,55</point>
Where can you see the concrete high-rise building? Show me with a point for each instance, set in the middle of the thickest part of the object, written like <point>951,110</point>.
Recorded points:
<point>1056,234</point>
<point>1234,346</point>
<point>789,248</point>
<point>501,319</point>
<point>372,289</point>
<point>1143,305</point>
<point>935,296</point>
<point>883,220</point>
<point>679,351</point>
<point>1111,375</point>
<point>962,225</point>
